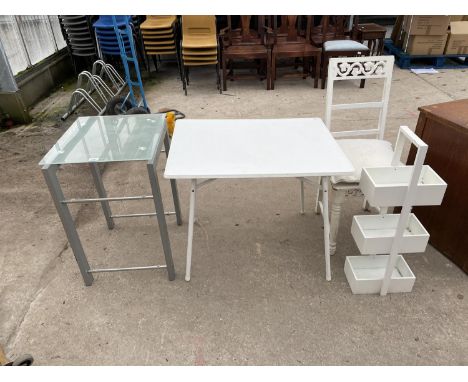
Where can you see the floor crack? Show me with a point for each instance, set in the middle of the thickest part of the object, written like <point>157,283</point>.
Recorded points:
<point>44,281</point>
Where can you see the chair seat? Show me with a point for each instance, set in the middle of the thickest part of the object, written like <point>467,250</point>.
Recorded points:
<point>364,153</point>
<point>160,52</point>
<point>199,63</point>
<point>158,36</point>
<point>199,41</point>
<point>161,22</point>
<point>199,52</point>
<point>158,43</point>
<point>305,49</point>
<point>199,58</point>
<point>157,32</point>
<point>245,50</point>
<point>344,45</point>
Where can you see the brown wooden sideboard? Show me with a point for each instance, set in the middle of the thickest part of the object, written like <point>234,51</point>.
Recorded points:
<point>444,127</point>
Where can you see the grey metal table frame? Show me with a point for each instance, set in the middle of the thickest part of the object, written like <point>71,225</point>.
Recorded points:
<point>61,203</point>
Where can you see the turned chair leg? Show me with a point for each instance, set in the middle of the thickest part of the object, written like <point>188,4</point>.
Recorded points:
<point>338,199</point>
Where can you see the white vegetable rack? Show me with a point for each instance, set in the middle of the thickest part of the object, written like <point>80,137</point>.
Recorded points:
<point>385,237</point>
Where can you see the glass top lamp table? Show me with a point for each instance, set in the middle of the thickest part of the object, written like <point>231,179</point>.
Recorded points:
<point>205,150</point>
<point>98,140</point>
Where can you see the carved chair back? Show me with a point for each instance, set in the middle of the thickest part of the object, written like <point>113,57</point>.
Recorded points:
<point>333,28</point>
<point>244,33</point>
<point>291,31</point>
<point>359,68</point>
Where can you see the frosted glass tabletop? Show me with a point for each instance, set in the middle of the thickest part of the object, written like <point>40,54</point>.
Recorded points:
<point>254,148</point>
<point>108,139</point>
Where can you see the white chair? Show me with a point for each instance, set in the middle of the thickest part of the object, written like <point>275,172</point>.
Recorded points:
<point>361,152</point>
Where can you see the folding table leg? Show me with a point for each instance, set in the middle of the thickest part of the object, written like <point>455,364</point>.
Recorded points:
<point>317,197</point>
<point>175,192</point>
<point>188,265</point>
<point>302,195</point>
<point>102,194</point>
<point>158,204</point>
<point>50,175</point>
<point>326,226</point>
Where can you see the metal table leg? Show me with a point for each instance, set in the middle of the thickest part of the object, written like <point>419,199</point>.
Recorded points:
<point>161,219</point>
<point>102,194</point>
<point>175,192</point>
<point>50,175</point>
<point>188,265</point>
<point>302,195</point>
<point>326,226</point>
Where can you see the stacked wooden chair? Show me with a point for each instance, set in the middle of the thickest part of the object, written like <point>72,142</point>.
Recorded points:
<point>290,40</point>
<point>246,44</point>
<point>199,45</point>
<point>160,35</point>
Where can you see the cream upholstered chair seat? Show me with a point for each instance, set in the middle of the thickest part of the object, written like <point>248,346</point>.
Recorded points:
<point>364,153</point>
<point>343,45</point>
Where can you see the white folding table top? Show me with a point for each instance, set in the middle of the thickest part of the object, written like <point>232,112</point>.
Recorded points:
<point>254,148</point>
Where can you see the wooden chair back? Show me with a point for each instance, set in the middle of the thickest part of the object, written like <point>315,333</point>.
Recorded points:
<point>244,33</point>
<point>290,30</point>
<point>334,28</point>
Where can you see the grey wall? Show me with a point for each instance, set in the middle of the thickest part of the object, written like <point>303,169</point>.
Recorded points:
<point>35,84</point>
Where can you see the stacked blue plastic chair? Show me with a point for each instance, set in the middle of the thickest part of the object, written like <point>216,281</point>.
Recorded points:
<point>106,36</point>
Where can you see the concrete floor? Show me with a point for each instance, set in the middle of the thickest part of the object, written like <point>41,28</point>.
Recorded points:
<point>258,294</point>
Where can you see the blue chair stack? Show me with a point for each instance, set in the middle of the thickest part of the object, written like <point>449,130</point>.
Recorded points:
<point>106,36</point>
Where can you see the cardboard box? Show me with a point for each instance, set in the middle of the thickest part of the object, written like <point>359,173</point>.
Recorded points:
<point>456,18</point>
<point>424,45</point>
<point>457,42</point>
<point>426,25</point>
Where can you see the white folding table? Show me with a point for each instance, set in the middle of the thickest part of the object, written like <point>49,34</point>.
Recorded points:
<point>204,150</point>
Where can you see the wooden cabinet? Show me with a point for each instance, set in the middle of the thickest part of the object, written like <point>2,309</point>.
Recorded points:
<point>444,127</point>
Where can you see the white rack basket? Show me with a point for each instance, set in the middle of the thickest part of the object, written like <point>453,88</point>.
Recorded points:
<point>374,234</point>
<point>365,274</point>
<point>387,186</point>
<point>392,234</point>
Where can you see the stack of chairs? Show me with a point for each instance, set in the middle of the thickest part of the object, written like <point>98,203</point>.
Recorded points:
<point>79,36</point>
<point>159,35</point>
<point>106,37</point>
<point>199,45</point>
